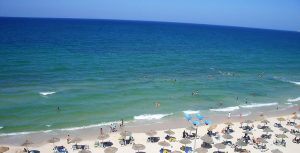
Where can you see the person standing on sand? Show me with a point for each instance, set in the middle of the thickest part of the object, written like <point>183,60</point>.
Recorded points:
<point>68,139</point>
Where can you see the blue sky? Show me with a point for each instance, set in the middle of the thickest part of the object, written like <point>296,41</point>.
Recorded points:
<point>269,14</point>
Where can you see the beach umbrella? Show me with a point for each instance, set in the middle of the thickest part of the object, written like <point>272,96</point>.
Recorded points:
<point>284,130</point>
<point>267,130</point>
<point>164,143</point>
<point>191,128</point>
<point>229,123</point>
<point>200,117</point>
<point>220,146</point>
<point>295,117</point>
<point>103,136</point>
<point>138,147</point>
<point>75,140</point>
<point>276,151</point>
<point>280,119</point>
<point>125,133</point>
<point>176,151</point>
<point>265,121</point>
<point>241,143</point>
<point>3,149</point>
<point>261,140</point>
<point>281,136</point>
<point>207,122</point>
<point>227,136</point>
<point>207,139</point>
<point>188,117</point>
<point>212,127</point>
<point>151,133</point>
<point>196,123</point>
<point>53,140</point>
<point>201,150</point>
<point>185,141</point>
<point>111,150</point>
<point>248,121</point>
<point>84,151</point>
<point>26,143</point>
<point>170,132</point>
<point>297,126</point>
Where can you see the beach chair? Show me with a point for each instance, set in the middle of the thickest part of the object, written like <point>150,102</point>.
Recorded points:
<point>164,150</point>
<point>153,139</point>
<point>60,149</point>
<point>33,151</point>
<point>186,149</point>
<point>82,147</point>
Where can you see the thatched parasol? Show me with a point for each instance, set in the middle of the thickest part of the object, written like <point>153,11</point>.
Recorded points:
<point>201,150</point>
<point>185,141</point>
<point>207,139</point>
<point>3,149</point>
<point>151,133</point>
<point>212,127</point>
<point>75,140</point>
<point>138,147</point>
<point>84,151</point>
<point>227,136</point>
<point>164,143</point>
<point>170,132</point>
<point>53,140</point>
<point>125,133</point>
<point>276,151</point>
<point>111,150</point>
<point>220,146</point>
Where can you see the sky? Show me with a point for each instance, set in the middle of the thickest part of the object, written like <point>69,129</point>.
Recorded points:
<point>266,14</point>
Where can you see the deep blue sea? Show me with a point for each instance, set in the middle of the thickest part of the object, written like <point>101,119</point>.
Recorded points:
<point>99,71</point>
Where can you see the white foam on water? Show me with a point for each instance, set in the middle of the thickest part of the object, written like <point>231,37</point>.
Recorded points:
<point>45,93</point>
<point>293,100</point>
<point>225,109</point>
<point>294,82</point>
<point>1,127</point>
<point>48,125</point>
<point>244,114</point>
<point>255,105</point>
<point>150,116</point>
<point>191,111</point>
<point>89,126</point>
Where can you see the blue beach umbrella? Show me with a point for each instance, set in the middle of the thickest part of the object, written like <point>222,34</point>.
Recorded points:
<point>188,117</point>
<point>207,122</point>
<point>200,117</point>
<point>196,122</point>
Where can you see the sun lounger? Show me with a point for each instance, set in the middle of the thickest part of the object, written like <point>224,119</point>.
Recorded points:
<point>186,149</point>
<point>278,125</point>
<point>170,138</point>
<point>291,123</point>
<point>83,147</point>
<point>60,149</point>
<point>153,139</point>
<point>164,150</point>
<point>126,141</point>
<point>33,151</point>
<point>266,136</point>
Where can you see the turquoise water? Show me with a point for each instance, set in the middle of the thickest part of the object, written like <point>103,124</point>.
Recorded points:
<point>103,70</point>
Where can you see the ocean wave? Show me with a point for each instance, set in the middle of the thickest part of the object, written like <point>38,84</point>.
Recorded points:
<point>244,114</point>
<point>90,126</point>
<point>48,125</point>
<point>23,133</point>
<point>226,109</point>
<point>255,105</point>
<point>191,112</point>
<point>1,127</point>
<point>285,80</point>
<point>150,116</point>
<point>294,100</point>
<point>45,93</point>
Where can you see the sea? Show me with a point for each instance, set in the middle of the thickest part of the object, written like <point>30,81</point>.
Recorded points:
<point>77,73</point>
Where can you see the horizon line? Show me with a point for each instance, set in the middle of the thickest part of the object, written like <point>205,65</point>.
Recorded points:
<point>132,20</point>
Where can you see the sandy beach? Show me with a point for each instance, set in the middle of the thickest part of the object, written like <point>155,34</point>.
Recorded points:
<point>41,142</point>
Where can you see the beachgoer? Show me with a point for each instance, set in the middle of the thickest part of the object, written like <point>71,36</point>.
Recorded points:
<point>229,115</point>
<point>246,101</point>
<point>68,139</point>
<point>122,122</point>
<point>157,104</point>
<point>58,109</point>
<point>277,107</point>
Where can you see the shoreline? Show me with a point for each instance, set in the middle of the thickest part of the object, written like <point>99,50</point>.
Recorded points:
<point>141,126</point>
